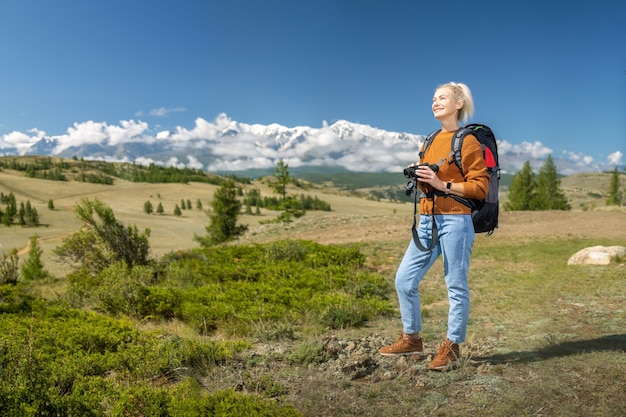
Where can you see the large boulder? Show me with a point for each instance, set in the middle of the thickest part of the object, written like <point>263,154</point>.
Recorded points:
<point>597,255</point>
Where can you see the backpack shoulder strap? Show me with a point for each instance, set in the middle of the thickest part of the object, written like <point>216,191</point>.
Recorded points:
<point>428,141</point>
<point>457,146</point>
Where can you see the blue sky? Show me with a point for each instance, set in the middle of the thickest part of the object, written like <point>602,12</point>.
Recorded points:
<point>550,75</point>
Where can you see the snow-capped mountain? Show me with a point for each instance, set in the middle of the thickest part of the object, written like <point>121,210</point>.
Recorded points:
<point>228,145</point>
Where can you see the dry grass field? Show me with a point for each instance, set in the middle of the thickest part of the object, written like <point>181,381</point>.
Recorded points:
<point>352,220</point>
<point>544,340</point>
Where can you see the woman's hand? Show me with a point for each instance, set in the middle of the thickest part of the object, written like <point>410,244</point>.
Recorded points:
<point>426,175</point>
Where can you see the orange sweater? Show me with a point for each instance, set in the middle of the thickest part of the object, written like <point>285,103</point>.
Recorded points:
<point>475,182</point>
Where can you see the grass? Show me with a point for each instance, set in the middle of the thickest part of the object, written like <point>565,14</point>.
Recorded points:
<point>545,339</point>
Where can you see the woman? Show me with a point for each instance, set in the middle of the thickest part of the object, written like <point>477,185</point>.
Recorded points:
<point>452,103</point>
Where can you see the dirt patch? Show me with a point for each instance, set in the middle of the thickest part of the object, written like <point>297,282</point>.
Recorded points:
<point>338,228</point>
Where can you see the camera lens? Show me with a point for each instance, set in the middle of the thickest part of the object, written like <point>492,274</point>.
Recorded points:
<point>409,188</point>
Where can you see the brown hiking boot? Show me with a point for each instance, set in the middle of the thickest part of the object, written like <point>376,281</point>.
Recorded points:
<point>447,357</point>
<point>405,346</point>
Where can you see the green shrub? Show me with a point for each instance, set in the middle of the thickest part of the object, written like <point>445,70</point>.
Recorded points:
<point>308,353</point>
<point>9,271</point>
<point>343,316</point>
<point>159,302</point>
<point>142,401</point>
<point>264,385</point>
<point>14,299</point>
<point>230,403</point>
<point>60,361</point>
<point>271,331</point>
<point>285,250</point>
<point>238,286</point>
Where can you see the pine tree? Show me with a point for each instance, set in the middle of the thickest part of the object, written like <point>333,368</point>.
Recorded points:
<point>223,225</point>
<point>32,268</point>
<point>177,211</point>
<point>281,179</point>
<point>21,214</point>
<point>159,208</point>
<point>522,190</point>
<point>549,195</point>
<point>11,210</point>
<point>147,207</point>
<point>32,217</point>
<point>615,195</point>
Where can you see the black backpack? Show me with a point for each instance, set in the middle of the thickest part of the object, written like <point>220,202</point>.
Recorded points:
<point>484,212</point>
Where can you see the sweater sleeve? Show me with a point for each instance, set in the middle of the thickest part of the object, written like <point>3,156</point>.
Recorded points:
<point>476,182</point>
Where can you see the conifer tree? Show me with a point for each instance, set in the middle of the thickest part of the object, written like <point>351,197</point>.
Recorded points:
<point>615,195</point>
<point>11,209</point>
<point>521,192</point>
<point>21,214</point>
<point>32,217</point>
<point>223,225</point>
<point>32,268</point>
<point>549,195</point>
<point>281,179</point>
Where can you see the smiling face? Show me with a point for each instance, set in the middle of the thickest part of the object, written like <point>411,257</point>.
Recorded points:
<point>445,107</point>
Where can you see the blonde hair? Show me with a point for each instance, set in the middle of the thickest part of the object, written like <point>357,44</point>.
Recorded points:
<point>461,92</point>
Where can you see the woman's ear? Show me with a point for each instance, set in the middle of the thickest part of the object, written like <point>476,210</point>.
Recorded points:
<point>459,104</point>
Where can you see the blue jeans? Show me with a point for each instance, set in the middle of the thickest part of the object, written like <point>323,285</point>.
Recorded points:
<point>456,238</point>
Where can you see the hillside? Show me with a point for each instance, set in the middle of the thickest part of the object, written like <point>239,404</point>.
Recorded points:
<point>355,214</point>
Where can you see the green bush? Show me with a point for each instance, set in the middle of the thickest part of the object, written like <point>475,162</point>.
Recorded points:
<point>60,361</point>
<point>239,286</point>
<point>14,299</point>
<point>341,317</point>
<point>308,353</point>
<point>188,399</point>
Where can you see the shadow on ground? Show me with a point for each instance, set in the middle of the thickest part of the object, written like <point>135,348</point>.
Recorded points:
<point>615,343</point>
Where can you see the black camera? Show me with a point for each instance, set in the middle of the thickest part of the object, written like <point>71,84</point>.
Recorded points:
<point>410,171</point>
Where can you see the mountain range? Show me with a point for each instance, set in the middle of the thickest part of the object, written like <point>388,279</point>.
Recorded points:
<point>225,145</point>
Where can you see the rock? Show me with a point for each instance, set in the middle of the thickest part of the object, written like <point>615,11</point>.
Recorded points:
<point>597,255</point>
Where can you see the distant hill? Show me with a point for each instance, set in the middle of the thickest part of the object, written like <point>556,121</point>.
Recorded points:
<point>585,190</point>
<point>65,182</point>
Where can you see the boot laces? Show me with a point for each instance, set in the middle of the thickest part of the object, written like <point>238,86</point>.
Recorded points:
<point>445,350</point>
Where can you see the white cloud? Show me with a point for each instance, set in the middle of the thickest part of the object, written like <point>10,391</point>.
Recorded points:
<point>201,130</point>
<point>21,141</point>
<point>194,163</point>
<point>147,161</point>
<point>91,132</point>
<point>533,150</point>
<point>615,158</point>
<point>164,111</point>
